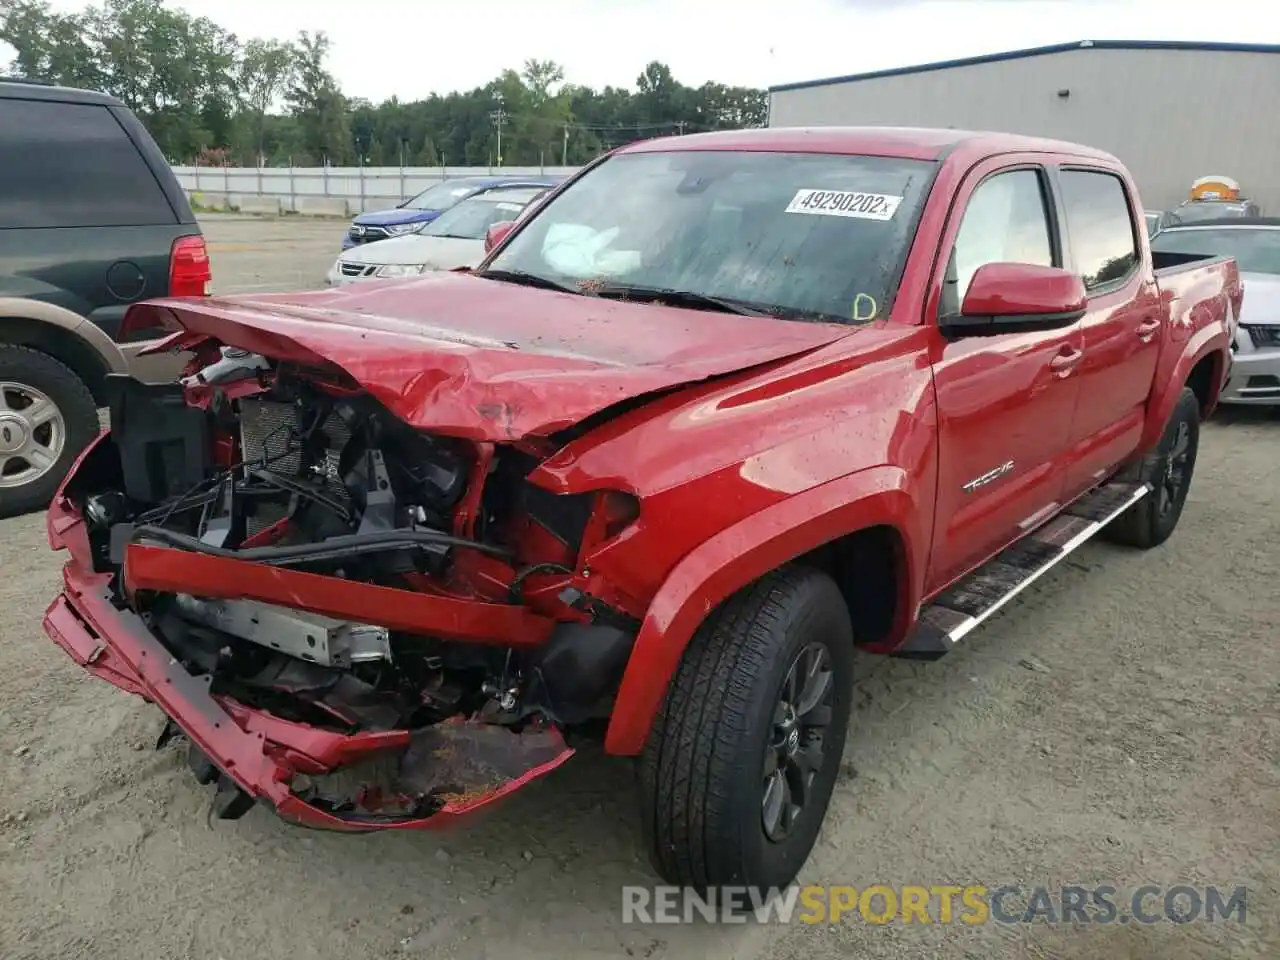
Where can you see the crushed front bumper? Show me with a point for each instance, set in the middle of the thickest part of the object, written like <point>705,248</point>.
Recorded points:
<point>255,755</point>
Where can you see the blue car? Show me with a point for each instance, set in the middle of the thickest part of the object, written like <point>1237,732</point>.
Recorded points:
<point>416,212</point>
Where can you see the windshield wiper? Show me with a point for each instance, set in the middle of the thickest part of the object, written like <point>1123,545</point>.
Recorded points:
<point>525,279</point>
<point>799,313</point>
<point>679,298</point>
<point>667,295</point>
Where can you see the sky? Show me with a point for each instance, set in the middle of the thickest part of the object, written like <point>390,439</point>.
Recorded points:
<point>412,49</point>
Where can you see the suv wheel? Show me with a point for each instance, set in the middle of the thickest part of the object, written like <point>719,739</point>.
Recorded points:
<point>742,759</point>
<point>47,416</point>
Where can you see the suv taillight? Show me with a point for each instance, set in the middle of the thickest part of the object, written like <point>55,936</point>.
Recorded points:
<point>189,272</point>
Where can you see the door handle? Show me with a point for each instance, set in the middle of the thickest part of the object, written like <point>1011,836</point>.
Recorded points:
<point>1065,362</point>
<point>1148,329</point>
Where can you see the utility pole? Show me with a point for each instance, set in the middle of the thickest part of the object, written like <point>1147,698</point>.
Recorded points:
<point>564,154</point>
<point>499,117</point>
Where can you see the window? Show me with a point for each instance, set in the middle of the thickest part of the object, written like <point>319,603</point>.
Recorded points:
<point>72,165</point>
<point>1099,225</point>
<point>470,219</point>
<point>1005,222</point>
<point>799,236</point>
<point>443,195</point>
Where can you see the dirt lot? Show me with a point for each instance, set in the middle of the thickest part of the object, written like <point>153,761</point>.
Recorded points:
<point>1117,725</point>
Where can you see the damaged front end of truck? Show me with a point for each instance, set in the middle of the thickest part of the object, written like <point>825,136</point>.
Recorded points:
<point>361,621</point>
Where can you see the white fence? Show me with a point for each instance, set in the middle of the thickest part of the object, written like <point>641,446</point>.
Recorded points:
<point>336,190</point>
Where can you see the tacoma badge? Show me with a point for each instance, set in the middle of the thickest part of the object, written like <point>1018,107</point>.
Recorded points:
<point>988,477</point>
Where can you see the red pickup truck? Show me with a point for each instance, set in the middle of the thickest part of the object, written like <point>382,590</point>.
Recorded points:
<point>719,410</point>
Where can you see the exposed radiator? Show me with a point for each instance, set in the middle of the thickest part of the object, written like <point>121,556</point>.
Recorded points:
<point>267,436</point>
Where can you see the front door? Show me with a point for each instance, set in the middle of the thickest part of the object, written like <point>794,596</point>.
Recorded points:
<point>1005,402</point>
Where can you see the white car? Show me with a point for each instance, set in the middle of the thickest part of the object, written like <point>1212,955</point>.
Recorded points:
<point>1255,244</point>
<point>452,240</point>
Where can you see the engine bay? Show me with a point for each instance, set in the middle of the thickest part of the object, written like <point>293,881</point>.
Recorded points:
<point>213,500</point>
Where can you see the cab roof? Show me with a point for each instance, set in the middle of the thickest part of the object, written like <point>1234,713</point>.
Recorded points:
<point>908,143</point>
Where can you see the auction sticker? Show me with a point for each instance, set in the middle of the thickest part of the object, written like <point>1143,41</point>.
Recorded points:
<point>844,203</point>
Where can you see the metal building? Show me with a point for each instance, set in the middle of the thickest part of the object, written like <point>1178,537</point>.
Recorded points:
<point>1171,111</point>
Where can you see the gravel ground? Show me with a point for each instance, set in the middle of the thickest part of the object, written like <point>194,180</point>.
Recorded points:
<point>1118,724</point>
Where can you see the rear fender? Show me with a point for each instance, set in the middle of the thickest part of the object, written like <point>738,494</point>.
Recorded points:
<point>1208,341</point>
<point>729,561</point>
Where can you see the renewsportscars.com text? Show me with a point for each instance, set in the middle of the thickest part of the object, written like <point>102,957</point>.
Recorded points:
<point>973,905</point>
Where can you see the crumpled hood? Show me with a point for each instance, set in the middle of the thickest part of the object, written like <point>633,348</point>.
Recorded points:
<point>1261,299</point>
<point>488,360</point>
<point>436,253</point>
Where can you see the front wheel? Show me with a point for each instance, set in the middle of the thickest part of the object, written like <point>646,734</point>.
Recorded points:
<point>1151,521</point>
<point>740,765</point>
<point>47,416</point>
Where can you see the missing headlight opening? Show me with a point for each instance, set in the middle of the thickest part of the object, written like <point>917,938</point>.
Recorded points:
<point>312,557</point>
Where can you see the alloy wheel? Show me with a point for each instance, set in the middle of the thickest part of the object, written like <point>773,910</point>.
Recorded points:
<point>795,754</point>
<point>1173,479</point>
<point>33,434</point>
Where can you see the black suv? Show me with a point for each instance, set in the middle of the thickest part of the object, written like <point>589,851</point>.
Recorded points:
<point>91,220</point>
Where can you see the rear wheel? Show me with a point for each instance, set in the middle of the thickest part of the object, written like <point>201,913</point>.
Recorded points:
<point>47,416</point>
<point>742,760</point>
<point>1168,470</point>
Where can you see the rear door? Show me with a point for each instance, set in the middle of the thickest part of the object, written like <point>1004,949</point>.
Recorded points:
<point>85,222</point>
<point>1004,402</point>
<point>1122,330</point>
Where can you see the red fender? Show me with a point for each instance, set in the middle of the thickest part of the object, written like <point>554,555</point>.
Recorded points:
<point>741,554</point>
<point>1204,342</point>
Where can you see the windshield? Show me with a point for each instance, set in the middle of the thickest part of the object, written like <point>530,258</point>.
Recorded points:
<point>1257,250</point>
<point>1194,212</point>
<point>814,234</point>
<point>471,218</point>
<point>442,196</point>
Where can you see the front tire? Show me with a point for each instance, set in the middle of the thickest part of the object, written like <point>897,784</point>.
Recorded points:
<point>739,767</point>
<point>1168,469</point>
<point>47,416</point>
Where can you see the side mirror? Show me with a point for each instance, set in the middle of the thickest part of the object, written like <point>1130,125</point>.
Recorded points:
<point>497,233</point>
<point>1017,298</point>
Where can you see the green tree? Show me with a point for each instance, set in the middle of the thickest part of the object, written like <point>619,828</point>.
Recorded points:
<point>264,72</point>
<point>540,76</point>
<point>717,107</point>
<point>541,127</point>
<point>426,155</point>
<point>660,95</point>
<point>49,46</point>
<point>317,104</point>
<point>201,91</point>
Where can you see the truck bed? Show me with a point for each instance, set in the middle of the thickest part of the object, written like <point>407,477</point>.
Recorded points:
<point>1202,296</point>
<point>1188,280</point>
<point>1168,262</point>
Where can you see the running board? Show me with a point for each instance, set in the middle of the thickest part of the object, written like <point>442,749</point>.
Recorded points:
<point>969,602</point>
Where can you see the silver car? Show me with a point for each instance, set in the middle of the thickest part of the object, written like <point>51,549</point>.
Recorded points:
<point>1255,244</point>
<point>454,239</point>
